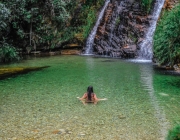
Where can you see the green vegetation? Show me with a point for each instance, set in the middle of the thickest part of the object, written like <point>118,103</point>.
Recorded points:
<point>132,37</point>
<point>91,18</point>
<point>44,25</point>
<point>117,21</point>
<point>4,15</point>
<point>86,19</point>
<point>9,71</point>
<point>8,53</point>
<point>146,4</point>
<point>31,23</point>
<point>167,38</point>
<point>174,134</point>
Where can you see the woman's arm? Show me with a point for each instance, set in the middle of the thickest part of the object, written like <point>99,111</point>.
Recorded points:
<point>96,99</point>
<point>83,97</point>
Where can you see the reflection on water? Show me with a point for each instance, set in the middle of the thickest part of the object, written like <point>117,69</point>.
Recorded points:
<point>138,60</point>
<point>42,105</point>
<point>90,69</point>
<point>147,81</point>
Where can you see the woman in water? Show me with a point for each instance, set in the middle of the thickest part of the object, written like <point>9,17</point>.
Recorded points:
<point>90,97</point>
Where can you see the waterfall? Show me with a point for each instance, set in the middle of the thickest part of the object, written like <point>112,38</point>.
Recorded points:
<point>147,44</point>
<point>90,40</point>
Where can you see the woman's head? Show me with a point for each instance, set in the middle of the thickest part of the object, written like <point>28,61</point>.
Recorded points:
<point>89,92</point>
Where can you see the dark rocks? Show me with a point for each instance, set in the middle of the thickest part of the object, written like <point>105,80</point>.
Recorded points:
<point>129,51</point>
<point>121,29</point>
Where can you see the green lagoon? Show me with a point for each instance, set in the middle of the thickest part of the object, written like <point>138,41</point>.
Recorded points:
<point>143,104</point>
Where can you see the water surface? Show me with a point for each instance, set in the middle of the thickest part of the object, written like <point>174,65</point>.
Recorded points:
<point>42,105</point>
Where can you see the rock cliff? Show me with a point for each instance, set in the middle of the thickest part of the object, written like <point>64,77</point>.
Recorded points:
<point>123,28</point>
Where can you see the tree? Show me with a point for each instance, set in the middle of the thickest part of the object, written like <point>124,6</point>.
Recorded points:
<point>4,15</point>
<point>35,23</point>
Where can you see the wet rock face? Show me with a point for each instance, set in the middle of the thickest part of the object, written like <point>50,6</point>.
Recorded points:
<point>121,29</point>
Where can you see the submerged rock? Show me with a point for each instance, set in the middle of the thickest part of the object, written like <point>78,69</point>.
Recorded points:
<point>61,131</point>
<point>121,116</point>
<point>9,72</point>
<point>81,134</point>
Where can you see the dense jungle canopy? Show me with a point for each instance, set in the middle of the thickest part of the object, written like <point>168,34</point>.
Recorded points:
<point>43,25</point>
<point>49,24</point>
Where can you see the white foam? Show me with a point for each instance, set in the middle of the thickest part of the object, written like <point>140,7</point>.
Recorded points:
<point>140,60</point>
<point>87,54</point>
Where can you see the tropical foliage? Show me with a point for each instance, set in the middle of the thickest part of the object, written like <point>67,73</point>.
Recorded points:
<point>44,25</point>
<point>8,53</point>
<point>89,22</point>
<point>167,38</point>
<point>87,16</point>
<point>4,15</point>
<point>33,23</point>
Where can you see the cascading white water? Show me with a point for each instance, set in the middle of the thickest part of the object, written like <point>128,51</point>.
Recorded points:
<point>147,44</point>
<point>90,40</point>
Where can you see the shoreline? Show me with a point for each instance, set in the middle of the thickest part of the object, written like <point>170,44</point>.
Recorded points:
<point>10,72</point>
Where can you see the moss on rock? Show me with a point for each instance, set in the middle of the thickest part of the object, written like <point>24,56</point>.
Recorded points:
<point>8,72</point>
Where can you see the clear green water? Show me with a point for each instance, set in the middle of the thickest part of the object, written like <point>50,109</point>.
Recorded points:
<point>42,105</point>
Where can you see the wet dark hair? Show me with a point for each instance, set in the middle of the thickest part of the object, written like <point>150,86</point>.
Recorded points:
<point>89,92</point>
